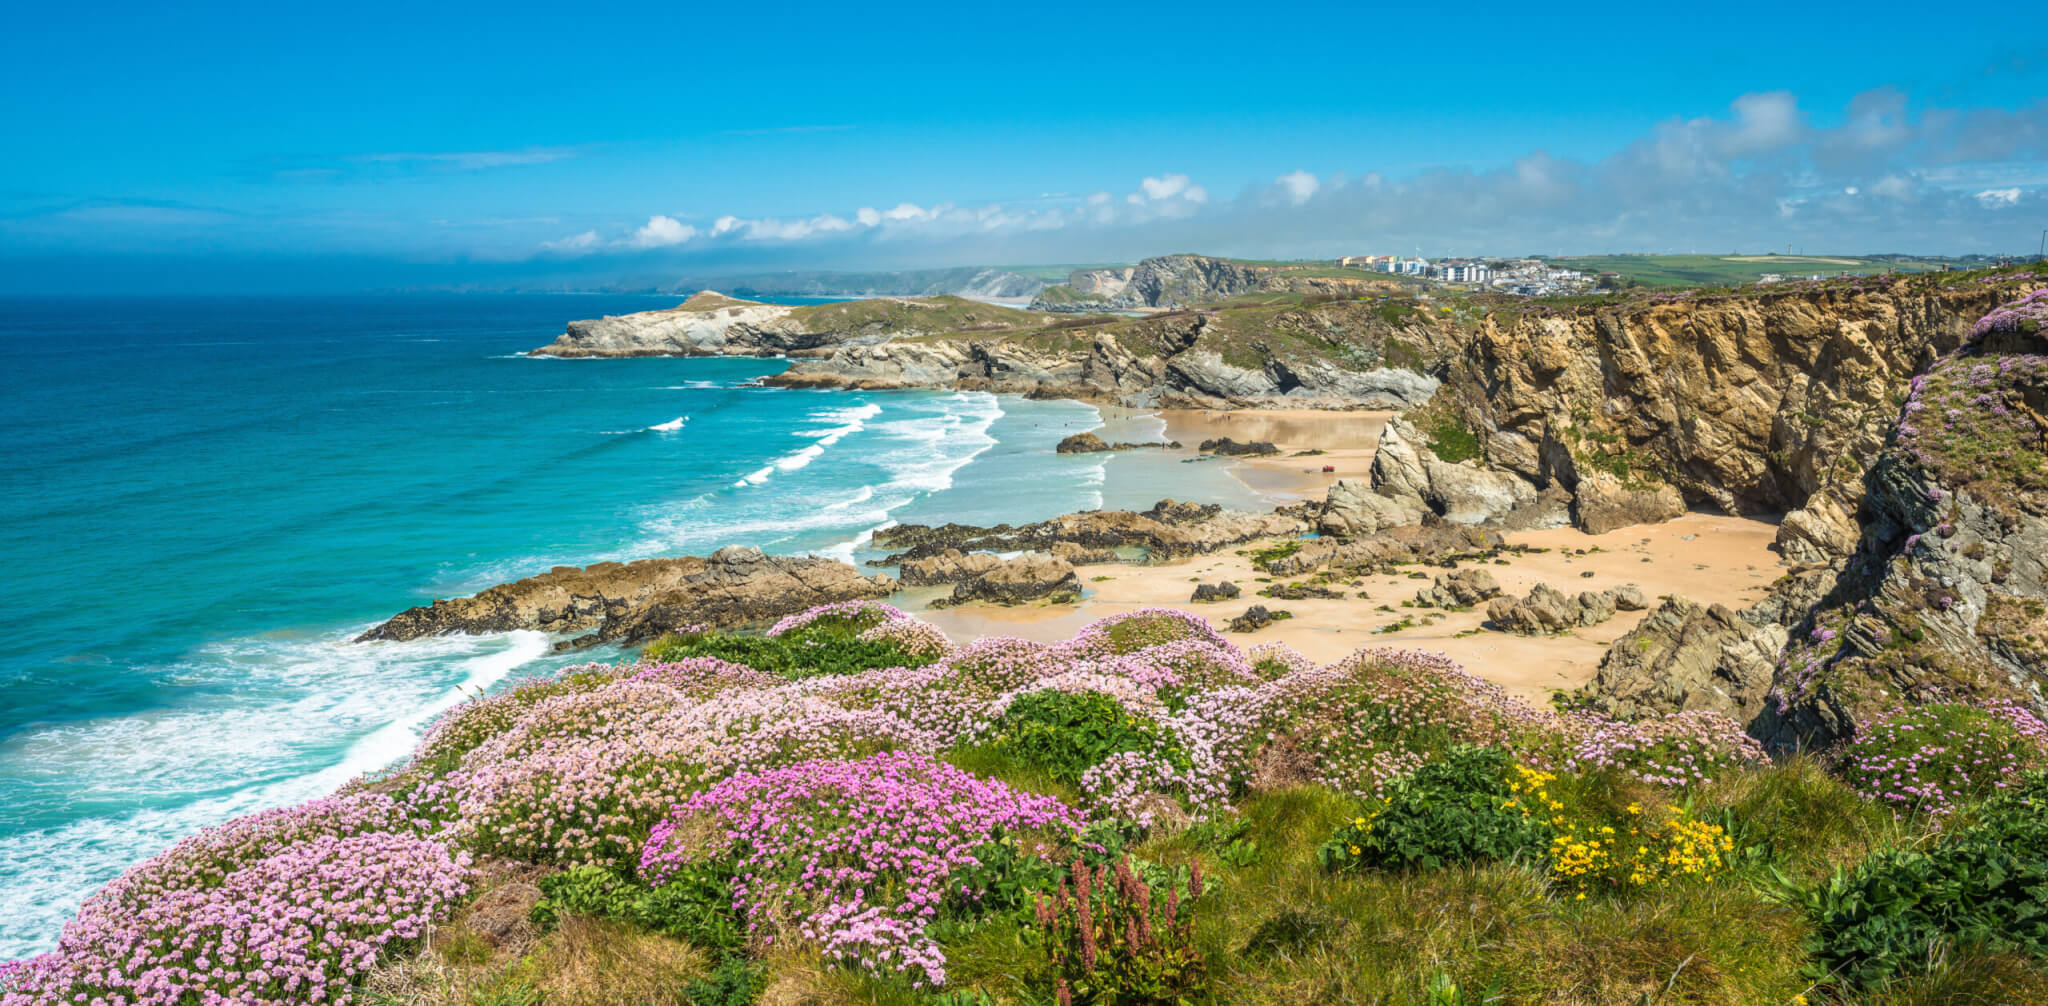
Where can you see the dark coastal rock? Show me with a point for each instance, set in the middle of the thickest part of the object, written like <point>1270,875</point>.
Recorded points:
<point>1030,577</point>
<point>949,566</point>
<point>1179,514</point>
<point>1089,443</point>
<point>1688,656</point>
<point>1225,591</point>
<point>1225,445</point>
<point>1387,549</point>
<point>1461,589</point>
<point>1168,530</point>
<point>1081,555</point>
<point>1081,443</point>
<point>1603,503</point>
<point>1302,592</point>
<point>1548,610</point>
<point>634,601</point>
<point>1257,617</point>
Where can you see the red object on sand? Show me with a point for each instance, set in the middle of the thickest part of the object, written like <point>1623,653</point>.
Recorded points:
<point>1329,468</point>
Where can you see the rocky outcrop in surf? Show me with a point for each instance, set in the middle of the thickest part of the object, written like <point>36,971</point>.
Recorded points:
<point>633,601</point>
<point>1168,530</point>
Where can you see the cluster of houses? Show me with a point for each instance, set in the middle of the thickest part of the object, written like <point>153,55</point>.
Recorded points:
<point>1528,277</point>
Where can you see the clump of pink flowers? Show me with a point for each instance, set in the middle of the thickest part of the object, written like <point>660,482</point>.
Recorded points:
<point>1926,759</point>
<point>288,906</point>
<point>859,856</point>
<point>1676,750</point>
<point>859,615</point>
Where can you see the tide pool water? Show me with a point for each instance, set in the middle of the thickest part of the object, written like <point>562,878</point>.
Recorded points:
<point>205,499</point>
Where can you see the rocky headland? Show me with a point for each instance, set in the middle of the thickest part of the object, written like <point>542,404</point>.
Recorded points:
<point>713,324</point>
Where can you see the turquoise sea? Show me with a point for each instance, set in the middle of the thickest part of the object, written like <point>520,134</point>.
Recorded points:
<point>204,499</point>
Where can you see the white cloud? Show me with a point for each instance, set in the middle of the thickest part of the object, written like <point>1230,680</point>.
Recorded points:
<point>1760,173</point>
<point>1764,122</point>
<point>660,232</point>
<point>1168,186</point>
<point>574,244</point>
<point>1300,185</point>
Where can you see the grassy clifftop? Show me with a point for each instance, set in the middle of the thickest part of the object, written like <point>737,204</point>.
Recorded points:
<point>851,809</point>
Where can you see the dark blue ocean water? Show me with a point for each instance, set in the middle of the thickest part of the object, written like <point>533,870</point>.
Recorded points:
<point>204,499</point>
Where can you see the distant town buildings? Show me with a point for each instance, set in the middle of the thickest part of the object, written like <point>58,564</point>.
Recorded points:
<point>1526,277</point>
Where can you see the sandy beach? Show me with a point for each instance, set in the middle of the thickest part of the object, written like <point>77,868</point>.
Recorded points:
<point>1346,440</point>
<point>1706,557</point>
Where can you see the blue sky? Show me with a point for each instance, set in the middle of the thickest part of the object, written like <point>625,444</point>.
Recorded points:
<point>253,147</point>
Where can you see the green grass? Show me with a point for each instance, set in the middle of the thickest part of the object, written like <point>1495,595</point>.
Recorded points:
<point>1724,270</point>
<point>890,315</point>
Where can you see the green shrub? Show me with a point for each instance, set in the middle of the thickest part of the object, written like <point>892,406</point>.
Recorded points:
<point>1064,734</point>
<point>1451,811</point>
<point>1985,889</point>
<point>1111,941</point>
<point>795,655</point>
<point>694,905</point>
<point>734,982</point>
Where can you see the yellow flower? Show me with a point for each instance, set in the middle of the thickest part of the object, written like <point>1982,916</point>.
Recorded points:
<point>1635,808</point>
<point>1358,822</point>
<point>1354,850</point>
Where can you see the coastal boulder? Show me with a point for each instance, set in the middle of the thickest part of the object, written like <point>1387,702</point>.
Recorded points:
<point>1353,506</point>
<point>1225,445</point>
<point>1082,443</point>
<point>1225,591</point>
<point>1029,577</point>
<point>1547,610</point>
<point>949,566</point>
<point>1460,589</point>
<point>1603,503</point>
<point>1687,656</point>
<point>1257,617</point>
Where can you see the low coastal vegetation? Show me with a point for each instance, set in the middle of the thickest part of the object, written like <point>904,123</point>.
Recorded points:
<point>850,808</point>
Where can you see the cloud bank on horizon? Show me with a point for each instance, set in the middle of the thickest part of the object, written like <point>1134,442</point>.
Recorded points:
<point>1889,177</point>
<point>1886,174</point>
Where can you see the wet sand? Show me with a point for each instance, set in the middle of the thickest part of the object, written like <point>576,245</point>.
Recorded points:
<point>1706,557</point>
<point>1346,440</point>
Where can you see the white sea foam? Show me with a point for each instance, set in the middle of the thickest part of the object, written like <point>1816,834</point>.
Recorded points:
<point>345,707</point>
<point>850,421</point>
<point>669,427</point>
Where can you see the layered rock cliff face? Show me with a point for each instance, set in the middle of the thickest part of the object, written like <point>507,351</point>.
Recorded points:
<point>1910,441</point>
<point>1347,354</point>
<point>1749,403</point>
<point>711,324</point>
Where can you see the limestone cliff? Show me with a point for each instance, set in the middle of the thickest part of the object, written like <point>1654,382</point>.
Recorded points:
<point>1907,437</point>
<point>712,324</point>
<point>1754,403</point>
